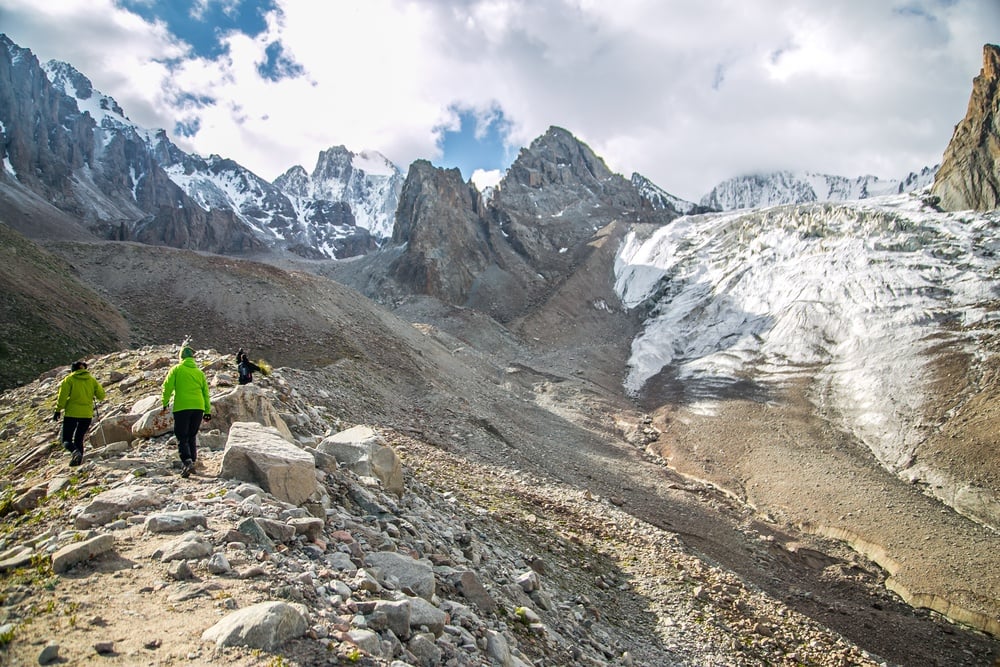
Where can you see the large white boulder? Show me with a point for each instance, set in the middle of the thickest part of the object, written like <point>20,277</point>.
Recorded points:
<point>110,504</point>
<point>247,403</point>
<point>360,450</point>
<point>259,454</point>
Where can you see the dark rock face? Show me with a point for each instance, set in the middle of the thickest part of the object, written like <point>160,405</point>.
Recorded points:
<point>104,175</point>
<point>448,244</point>
<point>969,177</point>
<point>45,137</point>
<point>555,196</point>
<point>509,254</point>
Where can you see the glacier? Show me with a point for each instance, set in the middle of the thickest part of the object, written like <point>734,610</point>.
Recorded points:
<point>851,297</point>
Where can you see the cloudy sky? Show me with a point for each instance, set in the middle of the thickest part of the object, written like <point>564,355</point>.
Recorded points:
<point>686,93</point>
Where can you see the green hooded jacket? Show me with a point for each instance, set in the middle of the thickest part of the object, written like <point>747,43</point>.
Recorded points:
<point>77,392</point>
<point>186,383</point>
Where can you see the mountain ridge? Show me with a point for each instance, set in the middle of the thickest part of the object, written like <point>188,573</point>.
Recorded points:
<point>789,187</point>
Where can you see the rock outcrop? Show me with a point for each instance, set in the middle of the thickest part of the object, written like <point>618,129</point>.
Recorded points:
<point>99,170</point>
<point>508,254</point>
<point>448,244</point>
<point>969,177</point>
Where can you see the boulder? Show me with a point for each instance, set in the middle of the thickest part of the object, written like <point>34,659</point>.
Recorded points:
<point>311,527</point>
<point>266,626</point>
<point>189,546</point>
<point>113,429</point>
<point>77,552</point>
<point>397,616</point>
<point>259,454</point>
<point>153,423</point>
<point>144,405</point>
<point>360,450</point>
<point>31,498</point>
<point>469,585</point>
<point>366,640</point>
<point>426,615</point>
<point>416,575</point>
<point>247,403</point>
<point>108,505</point>
<point>175,522</point>
<point>15,557</point>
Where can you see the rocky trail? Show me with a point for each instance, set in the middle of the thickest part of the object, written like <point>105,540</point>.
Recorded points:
<point>584,554</point>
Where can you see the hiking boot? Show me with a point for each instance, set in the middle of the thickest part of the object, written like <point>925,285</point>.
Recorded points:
<point>188,467</point>
<point>77,458</point>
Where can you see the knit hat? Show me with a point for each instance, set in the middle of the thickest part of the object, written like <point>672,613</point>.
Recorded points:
<point>78,365</point>
<point>186,352</point>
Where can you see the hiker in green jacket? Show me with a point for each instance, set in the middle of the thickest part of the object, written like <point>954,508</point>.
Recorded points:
<point>77,393</point>
<point>186,383</point>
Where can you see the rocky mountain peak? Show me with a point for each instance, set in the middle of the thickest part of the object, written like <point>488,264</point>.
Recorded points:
<point>333,164</point>
<point>557,176</point>
<point>447,245</point>
<point>969,177</point>
<point>556,157</point>
<point>73,83</point>
<point>294,182</point>
<point>68,79</point>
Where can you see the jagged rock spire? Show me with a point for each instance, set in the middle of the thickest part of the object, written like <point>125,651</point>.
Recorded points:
<point>969,177</point>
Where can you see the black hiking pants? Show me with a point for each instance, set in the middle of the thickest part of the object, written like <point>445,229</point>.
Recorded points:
<point>73,430</point>
<point>186,423</point>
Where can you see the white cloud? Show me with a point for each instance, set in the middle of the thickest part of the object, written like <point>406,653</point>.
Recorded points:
<point>483,178</point>
<point>686,93</point>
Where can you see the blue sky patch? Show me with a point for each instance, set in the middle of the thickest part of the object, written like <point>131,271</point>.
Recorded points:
<point>187,100</point>
<point>279,65</point>
<point>479,143</point>
<point>187,128</point>
<point>202,25</point>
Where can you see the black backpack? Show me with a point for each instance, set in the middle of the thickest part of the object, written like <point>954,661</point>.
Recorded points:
<point>246,374</point>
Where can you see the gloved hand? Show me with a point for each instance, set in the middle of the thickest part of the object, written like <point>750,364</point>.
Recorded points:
<point>55,416</point>
<point>207,417</point>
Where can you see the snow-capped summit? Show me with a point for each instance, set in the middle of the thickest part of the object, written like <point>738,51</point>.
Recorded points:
<point>134,183</point>
<point>71,82</point>
<point>788,187</point>
<point>367,182</point>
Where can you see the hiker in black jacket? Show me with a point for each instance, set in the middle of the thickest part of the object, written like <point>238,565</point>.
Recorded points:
<point>245,367</point>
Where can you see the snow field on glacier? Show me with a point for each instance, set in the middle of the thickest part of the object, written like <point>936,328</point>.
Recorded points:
<point>853,295</point>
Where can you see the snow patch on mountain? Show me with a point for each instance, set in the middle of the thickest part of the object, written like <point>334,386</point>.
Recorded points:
<point>345,207</point>
<point>660,198</point>
<point>851,296</point>
<point>787,187</point>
